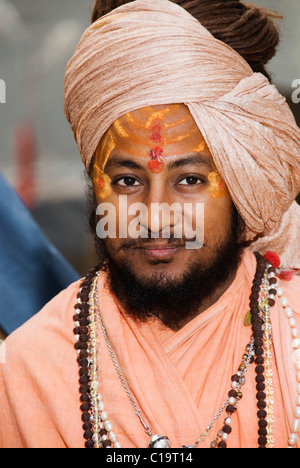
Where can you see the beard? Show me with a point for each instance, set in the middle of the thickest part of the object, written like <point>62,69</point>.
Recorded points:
<point>172,300</point>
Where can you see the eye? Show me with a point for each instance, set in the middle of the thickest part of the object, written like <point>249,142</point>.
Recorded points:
<point>191,180</point>
<point>127,182</point>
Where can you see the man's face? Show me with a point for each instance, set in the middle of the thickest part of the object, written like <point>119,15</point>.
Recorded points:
<point>158,155</point>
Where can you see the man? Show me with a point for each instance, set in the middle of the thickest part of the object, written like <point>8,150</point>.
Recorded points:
<point>168,353</point>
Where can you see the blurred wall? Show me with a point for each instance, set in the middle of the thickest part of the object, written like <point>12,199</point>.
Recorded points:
<point>37,38</point>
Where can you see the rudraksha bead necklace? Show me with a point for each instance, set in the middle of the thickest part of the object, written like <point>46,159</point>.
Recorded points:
<point>98,430</point>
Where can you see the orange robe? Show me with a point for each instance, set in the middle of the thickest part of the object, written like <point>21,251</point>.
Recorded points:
<point>179,380</point>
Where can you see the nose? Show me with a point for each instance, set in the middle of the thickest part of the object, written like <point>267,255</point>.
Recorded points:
<point>158,220</point>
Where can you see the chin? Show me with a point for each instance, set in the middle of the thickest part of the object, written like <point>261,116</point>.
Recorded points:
<point>158,274</point>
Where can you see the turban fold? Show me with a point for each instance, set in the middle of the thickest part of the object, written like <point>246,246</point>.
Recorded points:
<point>153,52</point>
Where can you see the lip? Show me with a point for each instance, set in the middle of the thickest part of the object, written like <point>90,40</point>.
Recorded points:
<point>160,251</point>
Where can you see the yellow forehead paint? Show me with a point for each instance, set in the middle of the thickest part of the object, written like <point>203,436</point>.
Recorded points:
<point>201,147</point>
<point>142,129</point>
<point>217,187</point>
<point>102,181</point>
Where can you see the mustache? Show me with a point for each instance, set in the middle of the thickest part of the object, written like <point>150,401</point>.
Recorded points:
<point>149,241</point>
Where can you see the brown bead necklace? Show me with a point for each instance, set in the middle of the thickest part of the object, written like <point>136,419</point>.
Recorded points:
<point>98,430</point>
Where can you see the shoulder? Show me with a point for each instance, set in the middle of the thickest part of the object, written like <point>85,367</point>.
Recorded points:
<point>49,328</point>
<point>292,285</point>
<point>39,379</point>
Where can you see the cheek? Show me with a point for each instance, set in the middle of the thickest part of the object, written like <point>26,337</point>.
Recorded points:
<point>112,246</point>
<point>114,221</point>
<point>218,216</point>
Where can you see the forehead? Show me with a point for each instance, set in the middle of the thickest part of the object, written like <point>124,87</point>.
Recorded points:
<point>171,127</point>
<point>171,115</point>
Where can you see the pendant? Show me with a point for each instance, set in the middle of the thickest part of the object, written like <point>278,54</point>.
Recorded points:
<point>159,441</point>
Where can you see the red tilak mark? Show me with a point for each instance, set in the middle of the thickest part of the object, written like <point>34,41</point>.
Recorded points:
<point>156,133</point>
<point>156,153</point>
<point>156,165</point>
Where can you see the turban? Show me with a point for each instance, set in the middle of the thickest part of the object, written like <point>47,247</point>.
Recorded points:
<point>153,52</point>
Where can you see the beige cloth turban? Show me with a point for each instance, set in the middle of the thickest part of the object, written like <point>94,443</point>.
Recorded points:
<point>153,52</point>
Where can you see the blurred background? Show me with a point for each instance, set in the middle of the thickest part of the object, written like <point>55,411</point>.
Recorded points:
<point>38,155</point>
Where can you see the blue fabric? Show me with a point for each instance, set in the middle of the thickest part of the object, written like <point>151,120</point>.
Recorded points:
<point>32,271</point>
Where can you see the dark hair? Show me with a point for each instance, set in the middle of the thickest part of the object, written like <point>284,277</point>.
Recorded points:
<point>248,29</point>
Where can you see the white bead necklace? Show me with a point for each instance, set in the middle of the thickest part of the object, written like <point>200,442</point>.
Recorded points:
<point>292,441</point>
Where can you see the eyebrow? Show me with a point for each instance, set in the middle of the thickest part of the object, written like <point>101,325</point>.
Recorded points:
<point>116,161</point>
<point>188,160</point>
<point>191,159</point>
